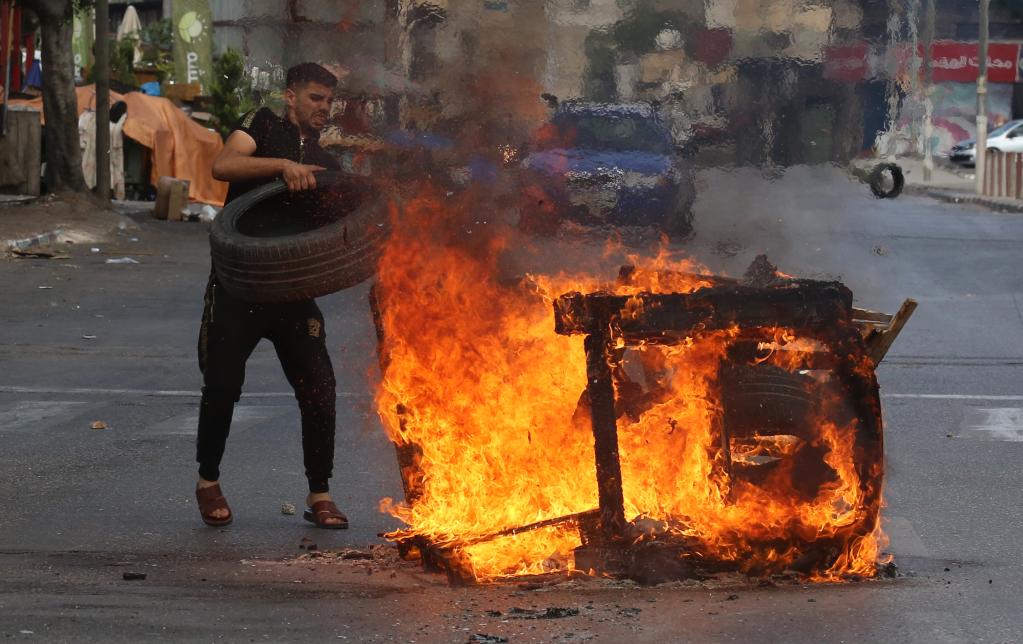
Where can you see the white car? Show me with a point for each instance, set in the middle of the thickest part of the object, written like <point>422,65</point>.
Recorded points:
<point>1005,138</point>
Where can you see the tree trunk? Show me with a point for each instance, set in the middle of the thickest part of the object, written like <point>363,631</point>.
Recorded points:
<point>63,152</point>
<point>60,107</point>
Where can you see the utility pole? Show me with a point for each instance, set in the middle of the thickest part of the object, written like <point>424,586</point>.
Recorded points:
<point>103,100</point>
<point>894,28</point>
<point>981,147</point>
<point>928,85</point>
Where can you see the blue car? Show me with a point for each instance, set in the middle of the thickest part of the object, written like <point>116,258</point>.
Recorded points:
<point>606,164</point>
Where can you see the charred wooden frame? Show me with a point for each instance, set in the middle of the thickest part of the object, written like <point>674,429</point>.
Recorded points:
<point>816,310</point>
<point>855,339</point>
<point>648,317</point>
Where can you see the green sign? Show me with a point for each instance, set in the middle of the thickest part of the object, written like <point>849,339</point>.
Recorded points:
<point>83,35</point>
<point>193,41</point>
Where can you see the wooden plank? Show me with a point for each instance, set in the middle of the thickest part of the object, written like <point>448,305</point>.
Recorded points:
<point>182,92</point>
<point>871,316</point>
<point>20,152</point>
<point>877,346</point>
<point>410,454</point>
<point>546,523</point>
<point>627,272</point>
<point>600,388</point>
<point>800,304</point>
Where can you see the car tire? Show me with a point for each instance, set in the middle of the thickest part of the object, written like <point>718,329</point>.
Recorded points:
<point>880,187</point>
<point>283,266</point>
<point>768,400</point>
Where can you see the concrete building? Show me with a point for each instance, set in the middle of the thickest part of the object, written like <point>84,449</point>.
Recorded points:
<point>802,80</point>
<point>569,25</point>
<point>284,32</point>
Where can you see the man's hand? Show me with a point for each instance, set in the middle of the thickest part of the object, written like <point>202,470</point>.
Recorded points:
<point>299,176</point>
<point>236,163</point>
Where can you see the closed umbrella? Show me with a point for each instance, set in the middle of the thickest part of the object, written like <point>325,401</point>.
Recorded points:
<point>131,27</point>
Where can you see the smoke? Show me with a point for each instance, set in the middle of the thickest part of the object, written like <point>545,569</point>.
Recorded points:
<point>764,124</point>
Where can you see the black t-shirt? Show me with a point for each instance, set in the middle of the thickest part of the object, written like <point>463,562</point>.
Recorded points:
<point>278,138</point>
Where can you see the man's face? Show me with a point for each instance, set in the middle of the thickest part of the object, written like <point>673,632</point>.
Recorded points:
<point>311,105</point>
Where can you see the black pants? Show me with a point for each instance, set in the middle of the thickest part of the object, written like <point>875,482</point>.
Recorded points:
<point>230,330</point>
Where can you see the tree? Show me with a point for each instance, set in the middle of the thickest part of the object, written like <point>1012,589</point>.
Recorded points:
<point>63,153</point>
<point>122,65</point>
<point>230,101</point>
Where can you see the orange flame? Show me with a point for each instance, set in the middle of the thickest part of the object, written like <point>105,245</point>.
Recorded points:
<point>477,379</point>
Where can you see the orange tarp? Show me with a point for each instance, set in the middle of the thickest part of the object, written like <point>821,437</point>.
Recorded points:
<point>181,147</point>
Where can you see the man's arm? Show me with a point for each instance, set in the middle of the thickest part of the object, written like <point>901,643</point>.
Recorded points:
<point>236,163</point>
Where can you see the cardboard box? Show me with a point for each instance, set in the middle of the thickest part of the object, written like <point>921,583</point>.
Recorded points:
<point>171,198</point>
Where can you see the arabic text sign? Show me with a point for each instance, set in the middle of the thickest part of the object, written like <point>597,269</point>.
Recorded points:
<point>958,62</point>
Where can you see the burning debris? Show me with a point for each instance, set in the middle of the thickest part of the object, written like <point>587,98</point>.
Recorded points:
<point>789,420</point>
<point>672,424</point>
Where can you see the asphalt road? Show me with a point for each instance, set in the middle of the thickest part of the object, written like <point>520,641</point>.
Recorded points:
<point>82,340</point>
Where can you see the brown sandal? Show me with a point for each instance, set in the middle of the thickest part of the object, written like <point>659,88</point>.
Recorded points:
<point>210,499</point>
<point>323,510</point>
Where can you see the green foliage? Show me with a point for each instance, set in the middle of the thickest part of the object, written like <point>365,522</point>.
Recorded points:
<point>122,55</point>
<point>56,11</point>
<point>157,49</point>
<point>230,96</point>
<point>158,35</point>
<point>122,70</point>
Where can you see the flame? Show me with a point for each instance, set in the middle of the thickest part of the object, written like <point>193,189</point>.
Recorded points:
<point>478,381</point>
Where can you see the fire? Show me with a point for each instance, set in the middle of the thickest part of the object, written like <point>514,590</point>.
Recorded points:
<point>476,380</point>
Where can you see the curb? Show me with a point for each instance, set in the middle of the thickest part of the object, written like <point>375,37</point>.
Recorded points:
<point>16,200</point>
<point>967,198</point>
<point>43,239</point>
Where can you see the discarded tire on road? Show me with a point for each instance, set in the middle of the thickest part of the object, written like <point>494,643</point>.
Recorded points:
<point>886,187</point>
<point>272,246</point>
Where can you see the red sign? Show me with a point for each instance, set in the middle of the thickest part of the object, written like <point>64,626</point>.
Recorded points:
<point>846,63</point>
<point>958,62</point>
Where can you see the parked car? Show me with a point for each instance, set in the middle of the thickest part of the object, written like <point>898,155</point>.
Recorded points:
<point>1006,138</point>
<point>606,164</point>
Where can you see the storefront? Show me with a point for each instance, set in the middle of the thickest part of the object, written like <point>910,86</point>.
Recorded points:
<point>878,73</point>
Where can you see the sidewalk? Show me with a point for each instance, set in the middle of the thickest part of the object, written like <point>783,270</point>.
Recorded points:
<point>952,184</point>
<point>28,223</point>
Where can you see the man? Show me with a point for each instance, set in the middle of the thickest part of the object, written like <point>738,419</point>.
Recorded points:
<point>262,148</point>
